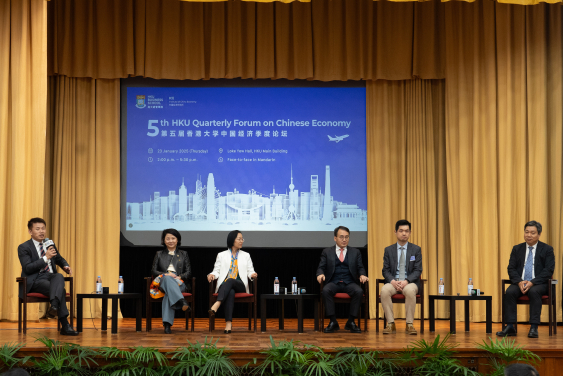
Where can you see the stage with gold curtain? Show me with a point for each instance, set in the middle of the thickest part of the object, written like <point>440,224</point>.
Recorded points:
<point>464,118</point>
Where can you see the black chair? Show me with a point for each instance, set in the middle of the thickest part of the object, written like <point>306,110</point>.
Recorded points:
<point>240,297</point>
<point>399,298</point>
<point>548,300</point>
<point>345,298</point>
<point>35,297</point>
<point>189,297</point>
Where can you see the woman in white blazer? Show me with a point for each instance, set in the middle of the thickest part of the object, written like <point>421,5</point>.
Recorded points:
<point>232,270</point>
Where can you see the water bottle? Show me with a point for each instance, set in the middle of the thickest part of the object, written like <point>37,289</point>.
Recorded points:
<point>120,285</point>
<point>441,286</point>
<point>469,286</point>
<point>99,285</point>
<point>294,286</point>
<point>276,286</point>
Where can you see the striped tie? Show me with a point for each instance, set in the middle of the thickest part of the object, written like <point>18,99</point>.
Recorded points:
<point>46,268</point>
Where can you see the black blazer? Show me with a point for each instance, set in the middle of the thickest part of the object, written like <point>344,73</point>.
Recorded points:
<point>181,263</point>
<point>414,268</point>
<point>32,264</point>
<point>544,263</point>
<point>327,265</point>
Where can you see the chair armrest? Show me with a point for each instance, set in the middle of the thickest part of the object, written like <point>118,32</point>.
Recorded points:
<point>255,286</point>
<point>322,285</point>
<point>20,279</point>
<point>505,282</point>
<point>212,285</point>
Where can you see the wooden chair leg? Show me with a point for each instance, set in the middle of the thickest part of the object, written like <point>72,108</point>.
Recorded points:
<point>24,318</point>
<point>255,306</point>
<point>377,316</point>
<point>249,316</point>
<point>422,316</point>
<point>19,315</point>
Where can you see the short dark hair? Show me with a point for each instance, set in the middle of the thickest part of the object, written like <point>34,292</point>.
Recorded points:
<point>535,224</point>
<point>341,228</point>
<point>520,369</point>
<point>402,222</point>
<point>35,220</point>
<point>172,232</point>
<point>231,238</point>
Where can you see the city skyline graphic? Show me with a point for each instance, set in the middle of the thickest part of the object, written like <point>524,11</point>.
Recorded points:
<point>207,209</point>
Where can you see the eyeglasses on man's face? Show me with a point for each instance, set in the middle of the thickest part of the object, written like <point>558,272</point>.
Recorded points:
<point>342,237</point>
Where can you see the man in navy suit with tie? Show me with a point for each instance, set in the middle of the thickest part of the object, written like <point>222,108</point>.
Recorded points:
<point>531,265</point>
<point>341,266</point>
<point>39,265</point>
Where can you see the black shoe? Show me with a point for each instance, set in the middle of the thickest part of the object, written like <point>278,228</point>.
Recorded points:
<point>533,333</point>
<point>227,331</point>
<point>67,330</point>
<point>507,332</point>
<point>167,328</point>
<point>352,327</point>
<point>332,327</point>
<point>53,310</point>
<point>185,306</point>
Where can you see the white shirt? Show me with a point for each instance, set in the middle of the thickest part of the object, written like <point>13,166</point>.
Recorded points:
<point>399,258</point>
<point>534,247</point>
<point>171,267</point>
<point>338,250</point>
<point>44,257</point>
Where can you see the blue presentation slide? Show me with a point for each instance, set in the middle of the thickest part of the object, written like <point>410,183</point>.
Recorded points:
<point>261,158</point>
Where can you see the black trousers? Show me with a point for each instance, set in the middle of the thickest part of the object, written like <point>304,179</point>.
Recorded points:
<point>53,286</point>
<point>226,295</point>
<point>352,289</point>
<point>513,293</point>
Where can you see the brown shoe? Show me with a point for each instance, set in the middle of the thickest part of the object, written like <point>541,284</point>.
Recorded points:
<point>411,329</point>
<point>390,328</point>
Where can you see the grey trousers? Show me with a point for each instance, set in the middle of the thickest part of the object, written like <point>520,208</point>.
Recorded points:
<point>173,294</point>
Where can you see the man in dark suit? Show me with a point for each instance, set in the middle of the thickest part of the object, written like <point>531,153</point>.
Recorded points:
<point>402,268</point>
<point>531,265</point>
<point>341,266</point>
<point>39,265</point>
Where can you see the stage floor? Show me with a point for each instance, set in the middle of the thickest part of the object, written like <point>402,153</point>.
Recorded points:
<point>242,339</point>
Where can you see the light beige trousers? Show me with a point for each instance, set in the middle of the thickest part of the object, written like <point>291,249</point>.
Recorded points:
<point>409,292</point>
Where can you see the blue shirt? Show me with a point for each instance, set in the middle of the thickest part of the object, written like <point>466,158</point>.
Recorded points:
<point>399,259</point>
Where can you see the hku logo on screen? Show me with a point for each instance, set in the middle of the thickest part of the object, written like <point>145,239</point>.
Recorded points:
<point>140,101</point>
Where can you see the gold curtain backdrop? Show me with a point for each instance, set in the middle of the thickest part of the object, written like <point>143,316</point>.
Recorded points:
<point>23,111</point>
<point>464,116</point>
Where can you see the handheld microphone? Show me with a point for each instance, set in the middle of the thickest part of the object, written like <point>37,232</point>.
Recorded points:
<point>48,242</point>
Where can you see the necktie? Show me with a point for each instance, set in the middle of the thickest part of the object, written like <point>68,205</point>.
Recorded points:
<point>529,265</point>
<point>402,264</point>
<point>46,268</point>
<point>341,257</point>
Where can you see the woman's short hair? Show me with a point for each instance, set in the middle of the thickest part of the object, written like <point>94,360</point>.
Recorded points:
<point>172,232</point>
<point>231,238</point>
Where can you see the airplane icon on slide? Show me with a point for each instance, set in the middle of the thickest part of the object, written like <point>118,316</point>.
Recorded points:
<point>337,139</point>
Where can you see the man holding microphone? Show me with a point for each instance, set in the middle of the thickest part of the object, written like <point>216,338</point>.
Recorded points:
<point>39,259</point>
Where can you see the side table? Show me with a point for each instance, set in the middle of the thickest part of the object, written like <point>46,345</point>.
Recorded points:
<point>114,298</point>
<point>282,298</point>
<point>467,298</point>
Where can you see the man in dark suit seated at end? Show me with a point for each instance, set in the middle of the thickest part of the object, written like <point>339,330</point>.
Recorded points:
<point>341,266</point>
<point>39,265</point>
<point>531,265</point>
